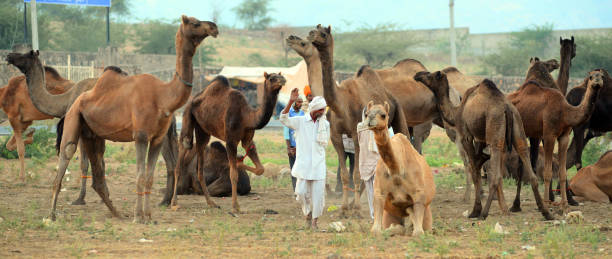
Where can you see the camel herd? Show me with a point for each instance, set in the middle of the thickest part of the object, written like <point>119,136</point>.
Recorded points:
<point>486,125</point>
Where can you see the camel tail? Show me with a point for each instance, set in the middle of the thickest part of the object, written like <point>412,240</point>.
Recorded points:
<point>509,127</point>
<point>60,132</point>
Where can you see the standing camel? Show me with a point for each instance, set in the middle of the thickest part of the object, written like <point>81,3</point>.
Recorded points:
<point>135,108</point>
<point>224,113</point>
<point>404,183</point>
<point>599,123</point>
<point>57,105</point>
<point>547,116</point>
<point>484,118</point>
<point>568,52</point>
<point>346,103</point>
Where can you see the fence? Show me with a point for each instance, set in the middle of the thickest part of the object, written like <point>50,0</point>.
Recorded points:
<point>75,73</point>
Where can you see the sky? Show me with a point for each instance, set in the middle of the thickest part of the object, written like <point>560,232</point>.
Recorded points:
<point>480,16</point>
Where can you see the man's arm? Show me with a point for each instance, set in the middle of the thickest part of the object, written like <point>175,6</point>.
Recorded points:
<point>284,117</point>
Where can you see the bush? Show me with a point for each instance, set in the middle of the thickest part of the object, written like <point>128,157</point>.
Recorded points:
<point>41,149</point>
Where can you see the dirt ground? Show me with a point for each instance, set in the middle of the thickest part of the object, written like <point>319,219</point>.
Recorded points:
<point>198,231</point>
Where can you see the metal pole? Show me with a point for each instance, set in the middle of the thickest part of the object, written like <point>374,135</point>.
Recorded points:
<point>453,48</point>
<point>25,23</point>
<point>107,25</point>
<point>34,25</point>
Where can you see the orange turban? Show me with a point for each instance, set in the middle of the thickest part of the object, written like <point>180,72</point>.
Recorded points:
<point>307,90</point>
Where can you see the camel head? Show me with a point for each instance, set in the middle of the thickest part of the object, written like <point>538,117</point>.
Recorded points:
<point>596,79</point>
<point>436,82</point>
<point>274,82</point>
<point>377,116</point>
<point>23,61</point>
<point>548,65</point>
<point>303,47</point>
<point>568,46</point>
<point>321,37</point>
<point>196,31</point>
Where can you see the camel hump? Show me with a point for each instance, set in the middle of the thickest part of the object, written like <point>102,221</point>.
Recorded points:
<point>450,70</point>
<point>221,80</point>
<point>489,85</point>
<point>409,61</point>
<point>52,72</point>
<point>605,160</point>
<point>218,146</point>
<point>368,73</point>
<point>115,69</point>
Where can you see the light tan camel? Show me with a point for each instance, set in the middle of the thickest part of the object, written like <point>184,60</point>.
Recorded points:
<point>484,118</point>
<point>594,182</point>
<point>404,183</point>
<point>346,103</point>
<point>547,116</point>
<point>223,112</point>
<point>130,108</point>
<point>15,102</point>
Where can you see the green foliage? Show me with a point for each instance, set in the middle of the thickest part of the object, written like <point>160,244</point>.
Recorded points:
<point>11,23</point>
<point>254,14</point>
<point>40,150</point>
<point>594,149</point>
<point>513,56</point>
<point>377,46</point>
<point>592,52</point>
<point>156,37</point>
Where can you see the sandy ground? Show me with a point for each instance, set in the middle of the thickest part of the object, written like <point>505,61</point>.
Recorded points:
<point>198,231</point>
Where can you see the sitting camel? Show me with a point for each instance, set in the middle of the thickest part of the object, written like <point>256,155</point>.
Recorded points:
<point>216,174</point>
<point>223,112</point>
<point>20,111</point>
<point>404,184</point>
<point>484,118</point>
<point>594,182</point>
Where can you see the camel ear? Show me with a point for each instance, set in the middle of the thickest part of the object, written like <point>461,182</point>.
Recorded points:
<point>370,103</point>
<point>560,40</point>
<point>572,39</point>
<point>537,59</point>
<point>531,60</point>
<point>387,107</point>
<point>319,26</point>
<point>329,29</point>
<point>280,73</point>
<point>266,75</point>
<point>36,53</point>
<point>185,19</point>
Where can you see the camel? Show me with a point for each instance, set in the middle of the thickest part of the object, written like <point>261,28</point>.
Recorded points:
<point>136,109</point>
<point>599,122</point>
<point>216,174</point>
<point>57,105</point>
<point>224,113</point>
<point>594,182</point>
<point>21,112</point>
<point>404,184</point>
<point>568,52</point>
<point>547,116</point>
<point>346,103</point>
<point>484,118</point>
<point>409,95</point>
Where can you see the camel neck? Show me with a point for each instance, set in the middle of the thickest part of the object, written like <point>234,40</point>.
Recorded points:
<point>329,85</point>
<point>564,69</point>
<point>579,114</point>
<point>445,106</point>
<point>266,107</point>
<point>315,77</point>
<point>383,142</point>
<point>182,83</point>
<point>36,82</point>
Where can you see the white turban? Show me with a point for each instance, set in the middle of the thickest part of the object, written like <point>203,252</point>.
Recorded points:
<point>317,103</point>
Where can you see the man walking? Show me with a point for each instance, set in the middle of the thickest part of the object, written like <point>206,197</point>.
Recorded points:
<point>312,136</point>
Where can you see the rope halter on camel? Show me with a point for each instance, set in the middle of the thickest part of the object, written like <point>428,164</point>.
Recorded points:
<point>251,147</point>
<point>183,81</point>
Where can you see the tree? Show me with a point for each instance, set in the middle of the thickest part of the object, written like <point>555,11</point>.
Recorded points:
<point>254,14</point>
<point>156,37</point>
<point>11,23</point>
<point>513,56</point>
<point>592,52</point>
<point>377,46</point>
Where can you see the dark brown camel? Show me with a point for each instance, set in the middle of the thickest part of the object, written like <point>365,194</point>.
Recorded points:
<point>224,113</point>
<point>568,52</point>
<point>57,105</point>
<point>599,123</point>
<point>548,117</point>
<point>138,109</point>
<point>346,103</point>
<point>484,118</point>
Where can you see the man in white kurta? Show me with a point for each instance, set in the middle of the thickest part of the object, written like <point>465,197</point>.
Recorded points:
<point>312,136</point>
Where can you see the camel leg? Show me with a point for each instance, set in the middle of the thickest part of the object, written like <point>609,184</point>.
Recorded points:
<point>231,147</point>
<point>427,219</point>
<point>84,168</point>
<point>379,197</point>
<point>521,148</point>
<point>418,212</point>
<point>420,134</point>
<point>468,146</point>
<point>563,143</point>
<point>70,139</point>
<point>252,154</point>
<point>516,205</point>
<point>169,152</point>
<point>549,145</point>
<point>94,148</point>
<point>356,177</point>
<point>201,142</point>
<point>185,156</point>
<point>154,149</point>
<point>21,153</point>
<point>575,150</point>
<point>494,178</point>
<point>468,174</point>
<point>339,147</point>
<point>590,191</point>
<point>141,151</point>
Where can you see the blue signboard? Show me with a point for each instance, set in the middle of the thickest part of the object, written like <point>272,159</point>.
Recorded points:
<point>106,3</point>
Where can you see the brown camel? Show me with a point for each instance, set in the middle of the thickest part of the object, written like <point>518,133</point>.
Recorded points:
<point>58,104</point>
<point>216,174</point>
<point>21,112</point>
<point>224,113</point>
<point>136,108</point>
<point>484,118</point>
<point>547,116</point>
<point>404,183</point>
<point>594,182</point>
<point>568,52</point>
<point>346,103</point>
